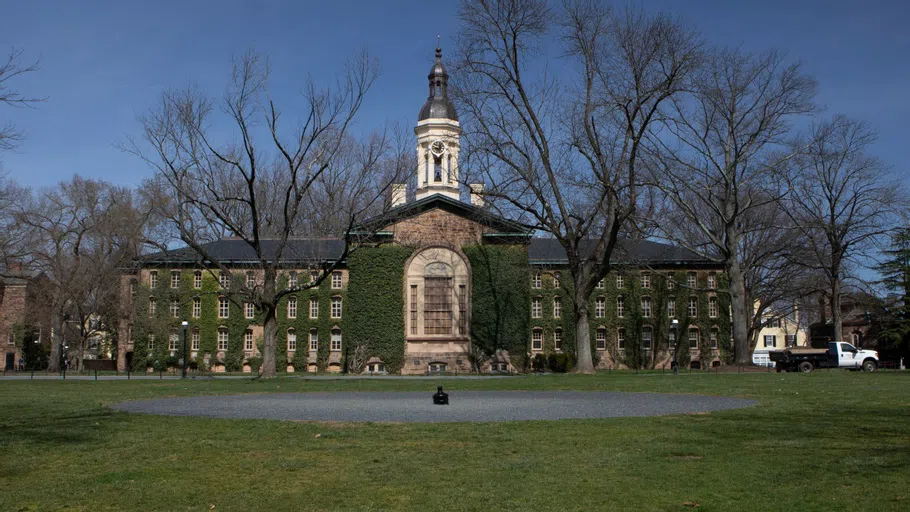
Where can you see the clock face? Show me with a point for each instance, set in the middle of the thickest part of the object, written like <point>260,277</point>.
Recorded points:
<point>438,147</point>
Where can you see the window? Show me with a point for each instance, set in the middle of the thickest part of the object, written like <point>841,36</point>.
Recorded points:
<point>222,338</point>
<point>646,338</point>
<point>693,307</point>
<point>601,339</point>
<point>197,307</point>
<point>153,306</point>
<point>151,341</point>
<point>197,279</point>
<point>314,340</point>
<point>770,340</point>
<point>557,307</point>
<point>132,287</point>
<point>535,282</point>
<point>557,339</point>
<point>646,307</point>
<point>671,283</point>
<point>153,279</point>
<point>336,307</point>
<point>600,284</point>
<point>292,340</point>
<point>556,277</point>
<point>712,307</point>
<point>195,339</point>
<point>671,308</point>
<point>175,279</point>
<point>620,281</point>
<point>621,339</point>
<point>462,309</point>
<point>437,305</point>
<point>336,280</point>
<point>537,340</point>
<point>790,339</point>
<point>712,280</point>
<point>536,308</point>
<point>223,307</point>
<point>336,340</point>
<point>314,276</point>
<point>224,280</point>
<point>712,338</point>
<point>691,280</point>
<point>413,309</point>
<point>292,307</point>
<point>314,308</point>
<point>693,338</point>
<point>250,280</point>
<point>671,337</point>
<point>645,280</point>
<point>600,307</point>
<point>175,308</point>
<point>129,334</point>
<point>248,341</point>
<point>620,307</point>
<point>172,341</point>
<point>774,322</point>
<point>292,280</point>
<point>249,310</point>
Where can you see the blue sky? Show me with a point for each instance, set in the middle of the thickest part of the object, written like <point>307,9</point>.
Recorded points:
<point>105,62</point>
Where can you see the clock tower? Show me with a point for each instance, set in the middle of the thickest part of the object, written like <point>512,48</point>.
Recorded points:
<point>437,138</point>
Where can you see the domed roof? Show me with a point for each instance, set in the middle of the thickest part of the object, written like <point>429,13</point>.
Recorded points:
<point>438,104</point>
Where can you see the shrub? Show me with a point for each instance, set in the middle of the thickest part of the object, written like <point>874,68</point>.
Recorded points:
<point>559,363</point>
<point>539,363</point>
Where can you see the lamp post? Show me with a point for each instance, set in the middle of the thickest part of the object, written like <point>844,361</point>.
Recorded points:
<point>675,324</point>
<point>185,324</point>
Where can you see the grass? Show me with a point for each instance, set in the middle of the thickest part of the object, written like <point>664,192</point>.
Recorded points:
<point>824,441</point>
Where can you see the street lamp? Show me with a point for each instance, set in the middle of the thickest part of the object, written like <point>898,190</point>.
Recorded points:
<point>185,324</point>
<point>675,324</point>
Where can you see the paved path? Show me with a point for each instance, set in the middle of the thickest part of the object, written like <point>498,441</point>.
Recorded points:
<point>418,407</point>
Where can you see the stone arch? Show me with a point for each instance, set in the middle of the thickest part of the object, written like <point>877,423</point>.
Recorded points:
<point>437,294</point>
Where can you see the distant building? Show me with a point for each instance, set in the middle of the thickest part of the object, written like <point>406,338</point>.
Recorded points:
<point>21,320</point>
<point>779,330</point>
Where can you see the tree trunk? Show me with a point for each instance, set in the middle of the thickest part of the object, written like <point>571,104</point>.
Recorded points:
<point>742,352</point>
<point>53,364</point>
<point>837,320</point>
<point>584,362</point>
<point>121,349</point>
<point>269,342</point>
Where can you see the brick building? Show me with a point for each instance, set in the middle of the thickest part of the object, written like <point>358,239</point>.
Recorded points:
<point>22,320</point>
<point>437,284</point>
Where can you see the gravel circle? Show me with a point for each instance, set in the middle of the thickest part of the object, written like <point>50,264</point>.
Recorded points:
<point>417,407</point>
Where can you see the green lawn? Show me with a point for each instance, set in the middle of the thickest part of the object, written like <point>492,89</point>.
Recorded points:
<point>823,441</point>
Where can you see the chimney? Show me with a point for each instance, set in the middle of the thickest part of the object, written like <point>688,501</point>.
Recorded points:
<point>477,194</point>
<point>399,194</point>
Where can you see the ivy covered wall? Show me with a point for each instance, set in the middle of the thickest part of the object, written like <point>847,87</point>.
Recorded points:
<point>500,299</point>
<point>376,303</point>
<point>634,354</point>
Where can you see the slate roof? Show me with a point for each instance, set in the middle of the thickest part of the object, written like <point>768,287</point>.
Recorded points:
<point>237,251</point>
<point>548,251</point>
<point>18,277</point>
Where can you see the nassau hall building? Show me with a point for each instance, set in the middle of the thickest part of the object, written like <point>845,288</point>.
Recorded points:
<point>441,284</point>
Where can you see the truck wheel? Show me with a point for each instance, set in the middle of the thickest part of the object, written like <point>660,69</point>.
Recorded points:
<point>806,367</point>
<point>869,365</point>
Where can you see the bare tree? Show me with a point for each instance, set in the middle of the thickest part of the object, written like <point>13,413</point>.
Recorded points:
<point>10,137</point>
<point>79,235</point>
<point>720,160</point>
<point>265,185</point>
<point>843,201</point>
<point>564,152</point>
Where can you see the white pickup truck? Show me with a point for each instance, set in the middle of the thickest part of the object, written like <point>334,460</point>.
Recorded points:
<point>839,354</point>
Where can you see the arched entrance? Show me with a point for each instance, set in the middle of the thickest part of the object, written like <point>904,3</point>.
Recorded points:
<point>437,297</point>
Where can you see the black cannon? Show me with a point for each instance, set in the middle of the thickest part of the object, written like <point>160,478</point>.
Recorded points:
<point>440,398</point>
